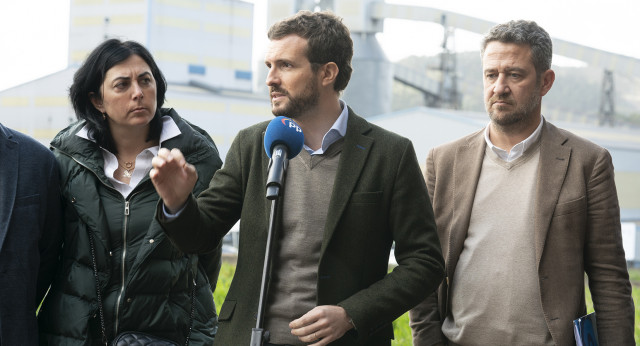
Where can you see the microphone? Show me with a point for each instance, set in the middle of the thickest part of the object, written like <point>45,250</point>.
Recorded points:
<point>283,140</point>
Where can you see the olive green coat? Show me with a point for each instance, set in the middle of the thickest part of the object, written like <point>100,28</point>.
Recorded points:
<point>379,196</point>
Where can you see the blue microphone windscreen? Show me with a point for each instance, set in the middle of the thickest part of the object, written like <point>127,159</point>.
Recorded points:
<point>283,130</point>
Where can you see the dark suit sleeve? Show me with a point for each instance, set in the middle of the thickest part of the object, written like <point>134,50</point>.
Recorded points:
<point>417,250</point>
<point>604,258</point>
<point>211,262</point>
<point>204,221</point>
<point>425,319</point>
<point>51,234</point>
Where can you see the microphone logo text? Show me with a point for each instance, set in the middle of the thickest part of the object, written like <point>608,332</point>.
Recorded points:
<point>292,124</point>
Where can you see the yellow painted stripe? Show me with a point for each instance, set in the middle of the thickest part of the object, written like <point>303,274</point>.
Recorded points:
<point>190,4</point>
<point>217,29</point>
<point>88,21</point>
<point>227,64</point>
<point>217,62</point>
<point>227,30</point>
<point>52,101</point>
<point>179,23</point>
<point>241,65</point>
<point>207,106</point>
<point>127,19</point>
<point>176,57</point>
<point>14,101</point>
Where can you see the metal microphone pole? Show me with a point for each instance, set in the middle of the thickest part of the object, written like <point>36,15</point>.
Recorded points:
<point>274,189</point>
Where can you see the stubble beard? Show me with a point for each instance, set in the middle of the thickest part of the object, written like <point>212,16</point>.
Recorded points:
<point>297,106</point>
<point>520,115</point>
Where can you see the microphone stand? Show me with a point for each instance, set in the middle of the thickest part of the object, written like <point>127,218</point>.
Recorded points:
<point>274,187</point>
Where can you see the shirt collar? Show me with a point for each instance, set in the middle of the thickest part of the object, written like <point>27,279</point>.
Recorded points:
<point>518,149</point>
<point>337,131</point>
<point>143,160</point>
<point>169,130</point>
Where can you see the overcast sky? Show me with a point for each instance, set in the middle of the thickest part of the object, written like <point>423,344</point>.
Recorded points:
<point>34,33</point>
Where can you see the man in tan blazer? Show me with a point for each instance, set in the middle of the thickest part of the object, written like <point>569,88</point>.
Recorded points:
<point>523,209</point>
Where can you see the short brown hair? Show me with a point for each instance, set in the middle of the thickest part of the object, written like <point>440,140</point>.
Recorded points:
<point>328,40</point>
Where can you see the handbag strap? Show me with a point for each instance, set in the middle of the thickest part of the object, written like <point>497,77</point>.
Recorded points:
<point>95,276</point>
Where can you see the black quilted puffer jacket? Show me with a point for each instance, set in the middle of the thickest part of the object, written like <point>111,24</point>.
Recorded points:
<point>146,283</point>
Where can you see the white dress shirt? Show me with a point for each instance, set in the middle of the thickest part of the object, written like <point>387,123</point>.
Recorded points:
<point>143,160</point>
<point>517,149</point>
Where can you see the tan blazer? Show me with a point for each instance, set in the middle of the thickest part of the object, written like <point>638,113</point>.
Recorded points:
<point>577,231</point>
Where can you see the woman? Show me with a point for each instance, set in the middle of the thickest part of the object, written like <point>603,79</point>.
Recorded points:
<point>118,271</point>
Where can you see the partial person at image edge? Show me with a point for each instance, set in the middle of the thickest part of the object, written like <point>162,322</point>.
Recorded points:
<point>30,233</point>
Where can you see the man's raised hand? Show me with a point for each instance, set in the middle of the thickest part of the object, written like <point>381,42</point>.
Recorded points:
<point>173,178</point>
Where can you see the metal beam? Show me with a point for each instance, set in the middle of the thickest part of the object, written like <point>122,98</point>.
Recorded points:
<point>620,64</point>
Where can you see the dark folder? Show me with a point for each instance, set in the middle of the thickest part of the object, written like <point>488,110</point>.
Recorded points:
<point>585,330</point>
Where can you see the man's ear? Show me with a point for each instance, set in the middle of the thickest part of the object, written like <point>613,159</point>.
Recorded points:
<point>96,101</point>
<point>547,81</point>
<point>329,73</point>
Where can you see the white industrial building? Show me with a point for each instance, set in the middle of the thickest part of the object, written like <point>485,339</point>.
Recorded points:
<point>204,48</point>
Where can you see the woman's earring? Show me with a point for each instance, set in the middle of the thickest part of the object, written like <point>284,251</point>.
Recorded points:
<point>104,116</point>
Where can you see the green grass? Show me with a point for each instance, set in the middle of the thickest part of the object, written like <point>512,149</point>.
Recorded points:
<point>401,325</point>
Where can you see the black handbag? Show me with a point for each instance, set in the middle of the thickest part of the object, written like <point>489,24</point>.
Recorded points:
<point>132,338</point>
<point>140,339</point>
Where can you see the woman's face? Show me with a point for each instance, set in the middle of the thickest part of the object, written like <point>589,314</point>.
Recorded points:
<point>128,94</point>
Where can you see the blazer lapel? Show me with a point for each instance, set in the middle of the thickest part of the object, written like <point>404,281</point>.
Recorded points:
<point>355,151</point>
<point>552,170</point>
<point>466,172</point>
<point>8,180</point>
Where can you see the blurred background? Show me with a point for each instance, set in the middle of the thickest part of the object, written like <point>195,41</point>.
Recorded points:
<point>417,68</point>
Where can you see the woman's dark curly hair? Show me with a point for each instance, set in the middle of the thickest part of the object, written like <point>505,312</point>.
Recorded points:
<point>90,76</point>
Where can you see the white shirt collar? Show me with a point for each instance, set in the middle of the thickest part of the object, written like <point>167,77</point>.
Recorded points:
<point>143,160</point>
<point>519,149</point>
<point>337,131</point>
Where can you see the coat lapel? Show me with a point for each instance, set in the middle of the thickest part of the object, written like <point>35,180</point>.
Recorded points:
<point>355,151</point>
<point>8,180</point>
<point>466,172</point>
<point>552,170</point>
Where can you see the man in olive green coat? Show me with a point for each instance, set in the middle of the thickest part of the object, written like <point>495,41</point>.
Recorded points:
<point>354,190</point>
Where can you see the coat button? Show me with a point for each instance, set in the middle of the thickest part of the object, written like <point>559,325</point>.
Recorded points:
<point>151,241</point>
<point>129,300</point>
<point>73,199</point>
